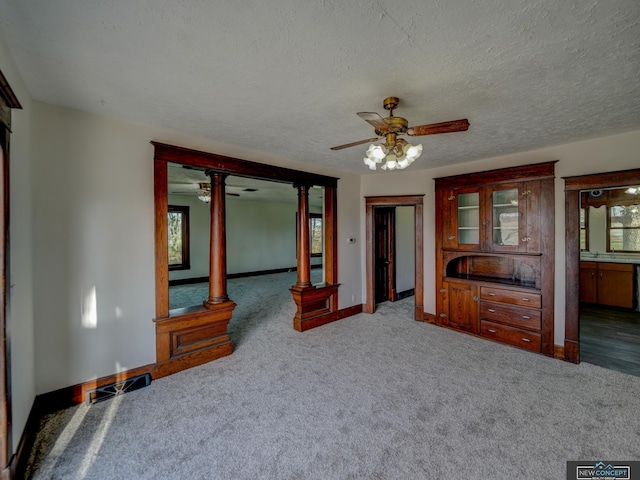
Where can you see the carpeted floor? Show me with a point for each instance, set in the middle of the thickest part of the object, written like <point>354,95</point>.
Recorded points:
<point>371,396</point>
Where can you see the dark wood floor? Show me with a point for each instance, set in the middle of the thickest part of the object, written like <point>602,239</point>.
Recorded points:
<point>610,337</point>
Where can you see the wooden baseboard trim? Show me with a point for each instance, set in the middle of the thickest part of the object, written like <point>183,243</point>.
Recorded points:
<point>69,396</point>
<point>405,294</point>
<point>313,322</point>
<point>558,352</point>
<point>428,318</point>
<point>571,351</point>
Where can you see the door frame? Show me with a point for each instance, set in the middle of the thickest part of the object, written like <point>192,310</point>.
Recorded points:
<point>394,201</point>
<point>390,214</point>
<point>8,101</point>
<point>572,188</point>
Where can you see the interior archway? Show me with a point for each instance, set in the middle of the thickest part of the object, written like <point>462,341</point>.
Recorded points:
<point>573,186</point>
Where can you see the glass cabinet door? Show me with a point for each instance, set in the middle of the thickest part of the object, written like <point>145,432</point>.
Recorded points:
<point>505,218</point>
<point>468,218</point>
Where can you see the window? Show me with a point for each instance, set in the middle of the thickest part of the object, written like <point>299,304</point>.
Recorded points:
<point>584,229</point>
<point>178,226</point>
<point>315,234</point>
<point>623,233</point>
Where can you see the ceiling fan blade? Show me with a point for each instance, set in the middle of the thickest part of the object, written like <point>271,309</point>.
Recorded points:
<point>443,127</point>
<point>368,140</point>
<point>376,120</point>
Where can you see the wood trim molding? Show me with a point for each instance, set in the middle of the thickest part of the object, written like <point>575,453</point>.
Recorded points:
<point>397,201</point>
<point>160,175</point>
<point>558,352</point>
<point>320,320</point>
<point>429,318</point>
<point>534,171</point>
<point>62,398</point>
<point>572,186</point>
<point>197,336</point>
<point>236,166</point>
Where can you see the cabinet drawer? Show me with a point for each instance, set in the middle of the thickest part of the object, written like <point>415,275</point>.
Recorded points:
<point>517,316</point>
<point>510,335</point>
<point>533,300</point>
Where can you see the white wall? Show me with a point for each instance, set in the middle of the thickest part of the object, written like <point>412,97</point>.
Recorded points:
<point>405,248</point>
<point>617,152</point>
<point>20,321</point>
<point>93,241</point>
<point>260,235</point>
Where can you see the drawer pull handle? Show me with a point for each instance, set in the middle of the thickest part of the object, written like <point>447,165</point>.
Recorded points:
<point>525,299</point>
<point>526,317</point>
<point>492,294</point>
<point>492,330</point>
<point>491,310</point>
<point>443,315</point>
<point>451,237</point>
<point>526,340</point>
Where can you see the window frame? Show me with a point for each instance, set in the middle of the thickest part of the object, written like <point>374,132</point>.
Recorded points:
<point>313,216</point>
<point>610,228</point>
<point>186,249</point>
<point>586,228</point>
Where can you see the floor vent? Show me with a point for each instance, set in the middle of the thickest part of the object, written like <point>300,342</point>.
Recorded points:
<point>118,388</point>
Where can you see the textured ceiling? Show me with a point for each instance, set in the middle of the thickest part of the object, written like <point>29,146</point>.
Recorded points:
<point>287,77</point>
<point>186,181</point>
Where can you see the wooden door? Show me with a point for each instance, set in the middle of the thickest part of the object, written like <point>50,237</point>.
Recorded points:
<point>463,306</point>
<point>384,230</point>
<point>588,282</point>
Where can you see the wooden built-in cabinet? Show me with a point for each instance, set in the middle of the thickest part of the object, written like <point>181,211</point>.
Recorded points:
<point>497,218</point>
<point>495,255</point>
<point>608,284</point>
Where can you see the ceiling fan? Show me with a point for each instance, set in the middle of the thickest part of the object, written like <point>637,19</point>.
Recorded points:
<point>398,152</point>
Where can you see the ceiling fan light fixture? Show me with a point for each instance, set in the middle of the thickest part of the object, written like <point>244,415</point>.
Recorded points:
<point>205,193</point>
<point>399,157</point>
<point>376,152</point>
<point>412,151</point>
<point>370,163</point>
<point>404,163</point>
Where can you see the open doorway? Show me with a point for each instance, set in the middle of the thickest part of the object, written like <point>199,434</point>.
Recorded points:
<point>602,323</point>
<point>382,261</point>
<point>609,259</point>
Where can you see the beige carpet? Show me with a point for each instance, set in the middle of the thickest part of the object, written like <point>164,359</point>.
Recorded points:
<point>371,396</point>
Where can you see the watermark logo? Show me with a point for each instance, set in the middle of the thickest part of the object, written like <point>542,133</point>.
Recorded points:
<point>603,470</point>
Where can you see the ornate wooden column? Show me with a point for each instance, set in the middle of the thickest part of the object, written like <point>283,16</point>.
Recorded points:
<point>217,243</point>
<point>315,305</point>
<point>304,249</point>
